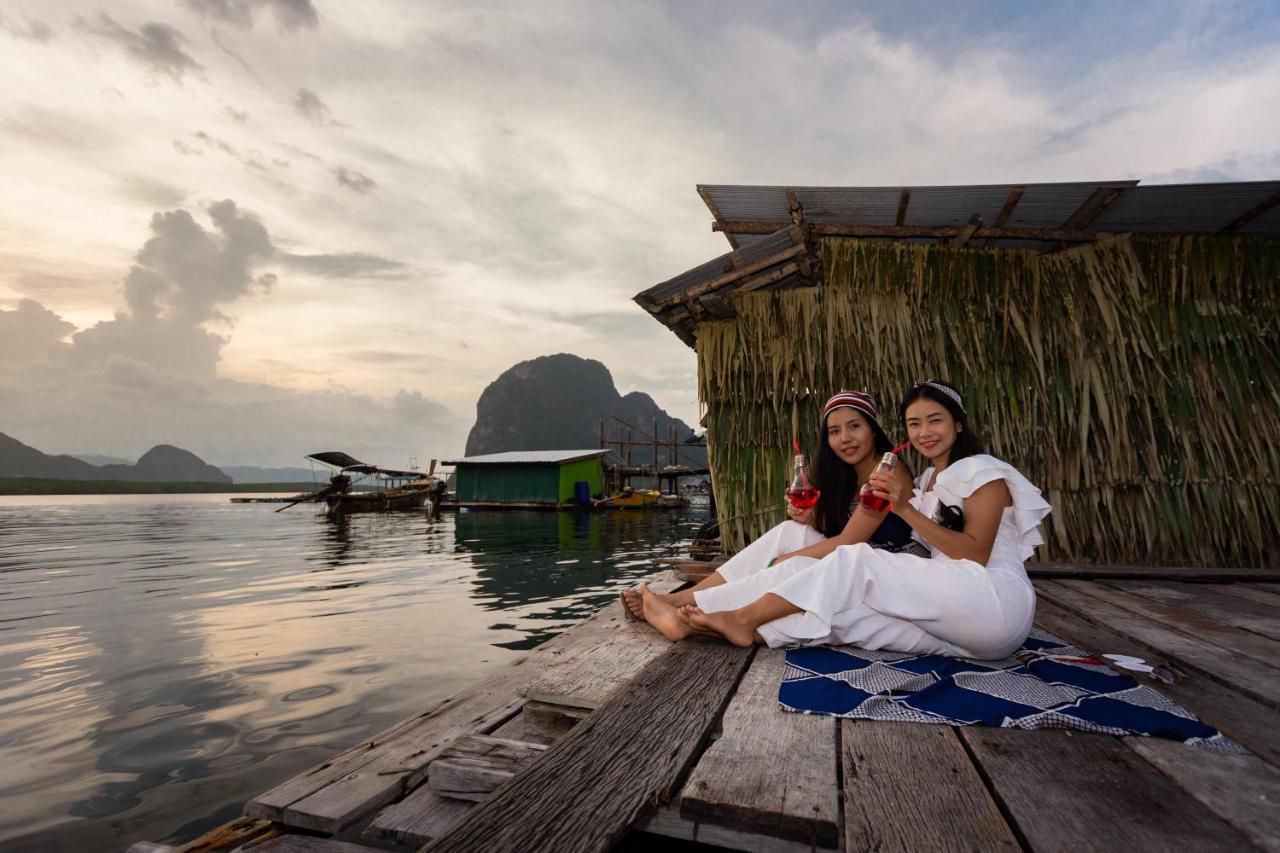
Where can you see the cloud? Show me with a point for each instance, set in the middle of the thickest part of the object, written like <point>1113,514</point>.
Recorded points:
<point>31,331</point>
<point>150,191</point>
<point>309,106</point>
<point>180,279</point>
<point>354,181</point>
<point>412,407</point>
<point>31,30</point>
<point>349,265</point>
<point>289,14</point>
<point>156,47</point>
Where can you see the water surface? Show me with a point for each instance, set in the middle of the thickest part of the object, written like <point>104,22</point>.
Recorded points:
<point>163,658</point>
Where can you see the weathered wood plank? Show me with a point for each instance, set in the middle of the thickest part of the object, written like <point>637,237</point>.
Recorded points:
<point>912,787</point>
<point>1211,601</point>
<point>309,844</point>
<point>1241,789</point>
<point>549,721</point>
<point>1075,792</point>
<point>231,835</point>
<point>1183,573</point>
<point>629,755</point>
<point>770,771</point>
<point>418,818</point>
<point>669,823</point>
<point>349,786</point>
<point>474,766</point>
<point>1242,674</point>
<point>1185,619</point>
<point>614,661</point>
<point>1258,594</point>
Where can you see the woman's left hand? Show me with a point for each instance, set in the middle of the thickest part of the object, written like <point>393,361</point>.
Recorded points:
<point>887,485</point>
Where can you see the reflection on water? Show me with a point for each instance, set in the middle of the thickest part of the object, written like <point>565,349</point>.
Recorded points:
<point>163,658</point>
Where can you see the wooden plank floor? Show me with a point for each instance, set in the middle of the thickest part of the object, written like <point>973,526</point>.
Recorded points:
<point>774,781</point>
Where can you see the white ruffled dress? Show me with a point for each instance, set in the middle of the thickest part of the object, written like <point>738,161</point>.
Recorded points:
<point>875,599</point>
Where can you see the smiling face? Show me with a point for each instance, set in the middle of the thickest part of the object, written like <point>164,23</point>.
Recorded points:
<point>850,436</point>
<point>931,429</point>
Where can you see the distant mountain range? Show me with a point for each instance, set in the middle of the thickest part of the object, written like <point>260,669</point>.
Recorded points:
<point>163,463</point>
<point>254,474</point>
<point>556,402</point>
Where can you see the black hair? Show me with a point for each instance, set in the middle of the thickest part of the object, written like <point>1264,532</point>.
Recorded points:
<point>836,480</point>
<point>967,441</point>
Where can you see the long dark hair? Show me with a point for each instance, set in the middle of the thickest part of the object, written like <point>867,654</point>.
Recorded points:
<point>837,481</point>
<point>967,441</point>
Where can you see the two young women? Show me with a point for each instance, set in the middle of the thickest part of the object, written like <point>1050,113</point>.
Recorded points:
<point>977,516</point>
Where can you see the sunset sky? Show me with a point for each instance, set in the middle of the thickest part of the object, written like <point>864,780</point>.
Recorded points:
<point>258,228</point>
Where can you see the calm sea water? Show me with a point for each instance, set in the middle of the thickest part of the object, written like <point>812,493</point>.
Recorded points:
<point>164,658</point>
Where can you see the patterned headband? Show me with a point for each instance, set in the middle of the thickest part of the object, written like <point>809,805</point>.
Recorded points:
<point>950,392</point>
<point>864,403</point>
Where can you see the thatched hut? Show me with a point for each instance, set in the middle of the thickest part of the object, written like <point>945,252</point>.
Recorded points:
<point>1118,343</point>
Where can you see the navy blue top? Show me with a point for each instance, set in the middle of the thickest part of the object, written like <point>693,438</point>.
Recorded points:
<point>893,533</point>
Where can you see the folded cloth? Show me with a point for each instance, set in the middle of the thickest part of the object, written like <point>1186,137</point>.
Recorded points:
<point>1047,684</point>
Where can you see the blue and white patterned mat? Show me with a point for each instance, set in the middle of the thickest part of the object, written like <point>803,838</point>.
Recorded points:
<point>1047,684</point>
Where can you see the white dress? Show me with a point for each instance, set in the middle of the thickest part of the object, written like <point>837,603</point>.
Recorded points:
<point>874,599</point>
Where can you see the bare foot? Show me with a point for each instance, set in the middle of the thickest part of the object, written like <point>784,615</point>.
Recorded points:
<point>663,616</point>
<point>635,605</point>
<point>722,623</point>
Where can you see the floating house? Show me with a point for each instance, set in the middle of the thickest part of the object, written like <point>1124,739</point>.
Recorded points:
<point>529,478</point>
<point>1116,342</point>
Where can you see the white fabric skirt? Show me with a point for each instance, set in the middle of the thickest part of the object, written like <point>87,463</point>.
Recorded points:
<point>880,600</point>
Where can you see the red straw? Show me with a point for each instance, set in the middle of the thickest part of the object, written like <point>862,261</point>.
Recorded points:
<point>901,447</point>
<point>796,445</point>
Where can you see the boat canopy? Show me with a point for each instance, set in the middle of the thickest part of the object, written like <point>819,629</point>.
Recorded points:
<point>347,462</point>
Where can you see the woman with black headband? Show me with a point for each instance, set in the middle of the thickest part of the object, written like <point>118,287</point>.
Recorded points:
<point>979,518</point>
<point>850,444</point>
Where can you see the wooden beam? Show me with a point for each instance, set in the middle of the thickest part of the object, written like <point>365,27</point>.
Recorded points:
<point>756,226</point>
<point>593,784</point>
<point>1251,214</point>
<point>731,276</point>
<point>1006,209</point>
<point>797,209</point>
<point>1092,207</point>
<point>975,222</point>
<point>903,201</point>
<point>704,192</point>
<point>765,279</point>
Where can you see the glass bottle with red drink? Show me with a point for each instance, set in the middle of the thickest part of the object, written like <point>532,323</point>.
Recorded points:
<point>802,494</point>
<point>867,495</point>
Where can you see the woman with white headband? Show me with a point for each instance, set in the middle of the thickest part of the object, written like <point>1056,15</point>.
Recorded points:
<point>979,518</point>
<point>850,444</point>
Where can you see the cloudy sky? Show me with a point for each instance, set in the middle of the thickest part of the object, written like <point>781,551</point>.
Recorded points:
<point>256,228</point>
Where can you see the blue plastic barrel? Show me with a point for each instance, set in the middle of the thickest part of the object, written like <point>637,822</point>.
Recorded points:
<point>582,492</point>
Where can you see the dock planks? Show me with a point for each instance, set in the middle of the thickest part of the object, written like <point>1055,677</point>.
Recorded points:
<point>737,781</point>
<point>910,787</point>
<point>894,786</point>
<point>626,758</point>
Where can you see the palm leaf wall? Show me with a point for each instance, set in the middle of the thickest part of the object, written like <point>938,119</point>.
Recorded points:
<point>1135,380</point>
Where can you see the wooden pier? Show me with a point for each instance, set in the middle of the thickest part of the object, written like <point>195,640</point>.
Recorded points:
<point>609,730</point>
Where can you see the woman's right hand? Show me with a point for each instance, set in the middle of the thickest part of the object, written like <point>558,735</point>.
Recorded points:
<point>804,516</point>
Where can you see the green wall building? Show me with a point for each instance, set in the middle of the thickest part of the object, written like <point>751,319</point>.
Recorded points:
<point>545,477</point>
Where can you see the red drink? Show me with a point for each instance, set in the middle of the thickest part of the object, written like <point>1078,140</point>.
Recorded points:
<point>867,496</point>
<point>803,498</point>
<point>801,492</point>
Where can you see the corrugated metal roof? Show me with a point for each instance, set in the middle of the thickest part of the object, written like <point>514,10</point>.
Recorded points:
<point>751,251</point>
<point>527,457</point>
<point>1166,209</point>
<point>1070,212</point>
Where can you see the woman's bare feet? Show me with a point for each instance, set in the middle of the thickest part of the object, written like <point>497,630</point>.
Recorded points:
<point>724,624</point>
<point>632,601</point>
<point>663,616</point>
